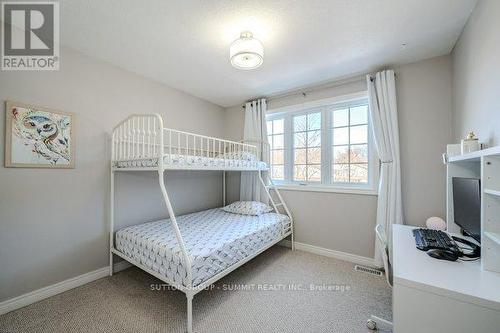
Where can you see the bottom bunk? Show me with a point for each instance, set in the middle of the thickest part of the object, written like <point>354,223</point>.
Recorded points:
<point>215,240</point>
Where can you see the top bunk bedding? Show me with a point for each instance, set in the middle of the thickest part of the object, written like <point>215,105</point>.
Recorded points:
<point>214,239</point>
<point>176,161</point>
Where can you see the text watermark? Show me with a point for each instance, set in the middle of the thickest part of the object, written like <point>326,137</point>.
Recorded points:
<point>263,287</point>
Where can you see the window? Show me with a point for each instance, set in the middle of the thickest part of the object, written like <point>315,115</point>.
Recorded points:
<point>350,145</point>
<point>275,136</point>
<point>326,145</point>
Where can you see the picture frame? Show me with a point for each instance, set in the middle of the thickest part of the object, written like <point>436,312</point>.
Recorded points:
<point>38,137</point>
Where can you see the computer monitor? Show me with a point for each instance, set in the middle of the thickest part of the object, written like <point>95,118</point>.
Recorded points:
<point>467,205</point>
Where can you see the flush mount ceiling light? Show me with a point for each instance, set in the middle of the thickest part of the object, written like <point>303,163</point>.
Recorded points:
<point>246,52</point>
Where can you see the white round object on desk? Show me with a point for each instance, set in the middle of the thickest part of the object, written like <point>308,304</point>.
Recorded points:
<point>435,223</point>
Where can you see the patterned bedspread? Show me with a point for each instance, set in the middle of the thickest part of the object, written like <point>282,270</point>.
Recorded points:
<point>195,161</point>
<point>214,239</point>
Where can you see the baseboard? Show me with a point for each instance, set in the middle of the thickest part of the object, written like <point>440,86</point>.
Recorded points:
<point>360,260</point>
<point>60,287</point>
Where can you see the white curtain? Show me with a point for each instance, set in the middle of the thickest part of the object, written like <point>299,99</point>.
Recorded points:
<point>384,120</point>
<point>255,133</point>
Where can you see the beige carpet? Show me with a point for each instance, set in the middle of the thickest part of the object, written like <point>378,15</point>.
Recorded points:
<point>127,303</point>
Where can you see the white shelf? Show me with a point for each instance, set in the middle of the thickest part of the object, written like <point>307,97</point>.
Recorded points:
<point>494,236</point>
<point>475,156</point>
<point>492,192</point>
<point>490,223</point>
<point>483,164</point>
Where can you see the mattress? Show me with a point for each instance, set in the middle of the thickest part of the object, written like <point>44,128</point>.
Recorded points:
<point>214,239</point>
<point>194,161</point>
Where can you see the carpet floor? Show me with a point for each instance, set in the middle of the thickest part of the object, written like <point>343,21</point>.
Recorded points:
<point>279,291</point>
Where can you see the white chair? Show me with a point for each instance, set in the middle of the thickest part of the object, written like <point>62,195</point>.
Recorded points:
<point>376,323</point>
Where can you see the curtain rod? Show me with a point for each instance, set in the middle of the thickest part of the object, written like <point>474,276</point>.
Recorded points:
<point>319,87</point>
<point>305,91</point>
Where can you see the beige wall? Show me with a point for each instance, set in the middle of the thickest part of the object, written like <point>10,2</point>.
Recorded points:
<point>54,223</point>
<point>424,106</point>
<point>345,222</point>
<point>476,75</point>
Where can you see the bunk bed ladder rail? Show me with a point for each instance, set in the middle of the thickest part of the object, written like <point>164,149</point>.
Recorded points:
<point>270,186</point>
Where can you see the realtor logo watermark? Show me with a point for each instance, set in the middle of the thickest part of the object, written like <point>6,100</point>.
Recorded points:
<point>30,35</point>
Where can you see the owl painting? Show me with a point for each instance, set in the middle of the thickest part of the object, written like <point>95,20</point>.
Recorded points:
<point>38,137</point>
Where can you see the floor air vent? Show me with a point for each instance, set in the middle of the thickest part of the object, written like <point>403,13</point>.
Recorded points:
<point>368,270</point>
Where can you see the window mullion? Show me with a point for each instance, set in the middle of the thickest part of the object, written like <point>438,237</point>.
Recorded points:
<point>349,144</point>
<point>307,148</point>
<point>326,159</point>
<point>288,148</point>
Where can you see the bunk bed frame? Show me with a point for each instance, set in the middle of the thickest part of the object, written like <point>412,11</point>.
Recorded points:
<point>142,143</point>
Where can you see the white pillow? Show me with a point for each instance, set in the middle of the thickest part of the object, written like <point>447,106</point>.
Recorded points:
<point>247,208</point>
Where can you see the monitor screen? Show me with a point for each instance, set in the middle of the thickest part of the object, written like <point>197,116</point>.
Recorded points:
<point>467,205</point>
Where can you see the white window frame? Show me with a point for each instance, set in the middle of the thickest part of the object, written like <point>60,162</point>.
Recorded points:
<point>325,185</point>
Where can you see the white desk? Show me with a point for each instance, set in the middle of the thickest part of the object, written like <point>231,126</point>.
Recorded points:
<point>433,295</point>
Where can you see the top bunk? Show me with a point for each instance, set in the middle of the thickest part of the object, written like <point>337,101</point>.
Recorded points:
<point>141,143</point>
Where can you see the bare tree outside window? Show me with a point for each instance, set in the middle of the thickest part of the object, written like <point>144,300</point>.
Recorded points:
<point>307,147</point>
<point>350,145</point>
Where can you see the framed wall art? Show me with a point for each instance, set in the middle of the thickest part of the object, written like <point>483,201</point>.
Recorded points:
<point>38,137</point>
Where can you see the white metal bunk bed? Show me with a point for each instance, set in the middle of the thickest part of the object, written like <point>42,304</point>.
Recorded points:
<point>142,143</point>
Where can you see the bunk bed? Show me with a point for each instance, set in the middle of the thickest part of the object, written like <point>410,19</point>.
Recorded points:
<point>192,251</point>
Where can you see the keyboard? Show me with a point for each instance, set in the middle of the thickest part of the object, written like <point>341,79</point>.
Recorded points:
<point>427,239</point>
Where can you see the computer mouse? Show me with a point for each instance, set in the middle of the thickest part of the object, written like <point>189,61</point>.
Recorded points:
<point>443,254</point>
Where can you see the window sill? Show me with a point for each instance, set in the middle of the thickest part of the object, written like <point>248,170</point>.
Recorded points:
<point>327,189</point>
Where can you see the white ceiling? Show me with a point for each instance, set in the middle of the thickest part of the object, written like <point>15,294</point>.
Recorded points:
<point>185,44</point>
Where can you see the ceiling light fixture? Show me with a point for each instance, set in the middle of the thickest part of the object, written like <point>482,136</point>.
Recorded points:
<point>246,52</point>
